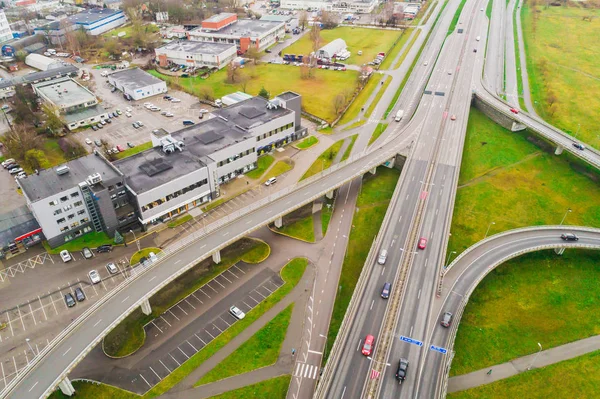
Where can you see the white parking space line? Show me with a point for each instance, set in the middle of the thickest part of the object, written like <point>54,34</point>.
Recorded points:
<point>263,297</point>
<point>249,296</point>
<point>180,308</point>
<point>215,326</point>
<point>21,317</point>
<point>206,331</point>
<point>216,281</point>
<point>175,360</point>
<point>250,307</point>
<point>204,293</point>
<point>229,270</point>
<point>52,300</point>
<point>3,374</point>
<point>208,285</point>
<point>239,269</point>
<point>197,298</point>
<point>185,354</point>
<point>270,292</point>
<point>201,340</point>
<point>224,321</point>
<point>42,306</point>
<point>191,345</point>
<point>161,362</point>
<point>32,315</point>
<point>10,323</point>
<point>150,367</point>
<point>173,314</point>
<point>188,302</point>
<point>94,287</point>
<point>226,278</point>
<point>166,321</point>
<point>145,381</point>
<point>157,326</point>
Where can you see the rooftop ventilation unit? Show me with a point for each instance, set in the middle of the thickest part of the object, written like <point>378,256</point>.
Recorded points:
<point>62,170</point>
<point>94,179</point>
<point>272,105</point>
<point>169,145</point>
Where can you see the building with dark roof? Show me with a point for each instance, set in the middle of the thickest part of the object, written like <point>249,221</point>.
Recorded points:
<point>182,170</point>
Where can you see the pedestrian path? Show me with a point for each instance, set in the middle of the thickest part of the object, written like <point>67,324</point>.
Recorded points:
<point>522,364</point>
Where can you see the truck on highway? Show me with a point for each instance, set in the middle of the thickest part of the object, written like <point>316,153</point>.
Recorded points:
<point>399,115</point>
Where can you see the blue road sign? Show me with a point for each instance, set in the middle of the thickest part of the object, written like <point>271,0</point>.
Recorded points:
<point>411,341</point>
<point>438,349</point>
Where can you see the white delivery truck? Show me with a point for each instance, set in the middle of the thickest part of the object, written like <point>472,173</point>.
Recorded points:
<point>399,115</point>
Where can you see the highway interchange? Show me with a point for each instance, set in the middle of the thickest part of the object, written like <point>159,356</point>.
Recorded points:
<point>427,187</point>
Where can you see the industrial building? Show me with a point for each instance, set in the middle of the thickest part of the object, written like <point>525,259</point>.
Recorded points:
<point>76,104</point>
<point>137,84</point>
<point>244,33</point>
<point>335,48</point>
<point>196,54</point>
<point>42,62</point>
<point>352,6</point>
<point>94,22</point>
<point>183,170</point>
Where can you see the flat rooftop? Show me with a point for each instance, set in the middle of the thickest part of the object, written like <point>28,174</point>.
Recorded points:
<point>134,78</point>
<point>93,16</point>
<point>219,17</point>
<point>153,168</point>
<point>288,95</point>
<point>84,113</point>
<point>48,183</point>
<point>64,91</point>
<point>245,28</point>
<point>197,47</point>
<point>251,113</point>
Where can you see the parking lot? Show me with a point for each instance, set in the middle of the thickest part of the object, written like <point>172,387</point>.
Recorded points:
<point>9,196</point>
<point>121,131</point>
<point>197,323</point>
<point>41,318</point>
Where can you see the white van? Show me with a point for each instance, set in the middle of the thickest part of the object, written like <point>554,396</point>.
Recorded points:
<point>382,257</point>
<point>478,38</point>
<point>399,115</point>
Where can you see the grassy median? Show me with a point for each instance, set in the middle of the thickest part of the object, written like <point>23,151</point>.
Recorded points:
<point>260,350</point>
<point>275,388</point>
<point>371,206</point>
<point>307,143</point>
<point>129,335</point>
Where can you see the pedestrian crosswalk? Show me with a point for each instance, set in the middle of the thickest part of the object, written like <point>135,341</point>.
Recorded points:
<point>304,370</point>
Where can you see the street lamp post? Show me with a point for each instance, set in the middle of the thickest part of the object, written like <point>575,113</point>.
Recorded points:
<point>488,229</point>
<point>324,336</point>
<point>564,217</point>
<point>535,357</point>
<point>30,348</point>
<point>448,258</point>
<point>135,239</point>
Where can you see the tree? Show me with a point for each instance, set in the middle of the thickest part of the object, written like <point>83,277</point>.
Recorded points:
<point>244,80</point>
<point>107,150</point>
<point>303,19</point>
<point>19,140</point>
<point>206,93</point>
<point>263,93</point>
<point>315,37</point>
<point>233,73</point>
<point>37,159</point>
<point>25,104</point>
<point>53,121</point>
<point>339,102</point>
<point>253,54</point>
<point>21,55</point>
<point>71,149</point>
<point>328,20</point>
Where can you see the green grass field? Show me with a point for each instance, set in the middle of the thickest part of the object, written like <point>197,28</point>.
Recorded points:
<point>263,164</point>
<point>379,129</point>
<point>179,221</point>
<point>301,229</point>
<point>324,160</point>
<point>371,206</point>
<point>378,96</point>
<point>565,66</point>
<point>538,297</point>
<point>275,388</point>
<point>307,143</point>
<point>369,41</point>
<point>575,378</point>
<point>317,93</point>
<point>260,350</point>
<point>135,258</point>
<point>91,240</point>
<point>507,180</point>
<point>279,168</point>
<point>135,150</point>
<point>360,100</point>
<point>350,147</point>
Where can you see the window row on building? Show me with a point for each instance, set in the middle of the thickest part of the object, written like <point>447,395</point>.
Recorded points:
<point>274,131</point>
<point>176,194</point>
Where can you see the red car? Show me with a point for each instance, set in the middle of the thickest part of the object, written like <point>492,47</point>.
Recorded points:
<point>368,346</point>
<point>514,110</point>
<point>121,149</point>
<point>422,243</point>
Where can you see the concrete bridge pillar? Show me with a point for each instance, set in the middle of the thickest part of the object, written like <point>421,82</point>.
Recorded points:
<point>330,194</point>
<point>390,164</point>
<point>66,387</point>
<point>517,127</point>
<point>279,222</point>
<point>559,150</point>
<point>146,309</point>
<point>559,251</point>
<point>216,257</point>
<point>373,171</point>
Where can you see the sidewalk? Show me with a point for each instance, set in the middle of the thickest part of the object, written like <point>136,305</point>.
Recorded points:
<point>521,364</point>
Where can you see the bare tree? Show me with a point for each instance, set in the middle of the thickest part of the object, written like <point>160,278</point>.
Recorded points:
<point>303,19</point>
<point>206,93</point>
<point>315,36</point>
<point>328,20</point>
<point>253,54</point>
<point>233,73</point>
<point>19,140</point>
<point>243,81</point>
<point>338,104</point>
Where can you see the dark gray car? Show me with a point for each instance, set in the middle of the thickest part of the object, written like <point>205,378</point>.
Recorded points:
<point>69,300</point>
<point>79,294</point>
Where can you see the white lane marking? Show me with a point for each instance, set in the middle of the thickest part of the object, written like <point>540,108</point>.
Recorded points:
<point>165,320</point>
<point>178,261</point>
<point>173,314</point>
<point>314,376</point>
<point>154,324</point>
<point>419,295</point>
<point>382,270</point>
<point>67,351</point>
<point>188,302</point>
<point>193,347</point>
<point>201,340</point>
<point>206,331</point>
<point>151,279</point>
<point>98,322</point>
<point>359,341</point>
<point>125,299</point>
<point>297,369</point>
<point>343,392</point>
<point>372,303</point>
<point>318,353</point>
<point>411,330</point>
<point>180,308</point>
<point>30,389</point>
<point>203,246</point>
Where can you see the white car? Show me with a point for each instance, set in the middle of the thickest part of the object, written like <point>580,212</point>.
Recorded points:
<point>88,141</point>
<point>94,276</point>
<point>169,115</point>
<point>65,255</point>
<point>204,111</point>
<point>112,268</point>
<point>271,181</point>
<point>238,314</point>
<point>128,109</point>
<point>175,100</point>
<point>128,114</point>
<point>140,123</point>
<point>153,257</point>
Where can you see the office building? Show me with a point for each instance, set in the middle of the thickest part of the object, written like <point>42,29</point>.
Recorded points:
<point>196,54</point>
<point>5,31</point>
<point>137,84</point>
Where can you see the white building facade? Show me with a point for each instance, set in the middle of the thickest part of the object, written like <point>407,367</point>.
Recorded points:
<point>137,84</point>
<point>196,54</point>
<point>5,31</point>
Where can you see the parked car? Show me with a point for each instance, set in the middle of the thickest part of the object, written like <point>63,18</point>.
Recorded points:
<point>21,175</point>
<point>271,181</point>
<point>13,166</point>
<point>446,320</point>
<point>402,370</point>
<point>237,313</point>
<point>367,348</point>
<point>120,149</point>
<point>167,97</point>
<point>94,276</point>
<point>569,237</point>
<point>99,126</point>
<point>98,143</point>
<point>175,100</point>
<point>118,111</point>
<point>89,142</point>
<point>128,114</point>
<point>135,125</point>
<point>109,121</point>
<point>104,248</point>
<point>153,257</point>
<point>112,268</point>
<point>140,124</point>
<point>65,255</point>
<point>87,253</point>
<point>130,145</point>
<point>14,171</point>
<point>79,294</point>
<point>69,300</point>
<point>7,162</point>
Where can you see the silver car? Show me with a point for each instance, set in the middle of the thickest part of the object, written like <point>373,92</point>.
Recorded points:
<point>238,314</point>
